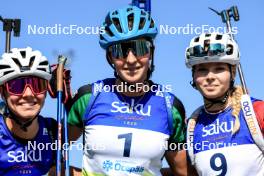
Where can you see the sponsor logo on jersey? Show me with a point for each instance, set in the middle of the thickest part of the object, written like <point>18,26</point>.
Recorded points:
<point>45,131</point>
<point>124,108</point>
<point>159,93</point>
<point>24,156</point>
<point>118,166</point>
<point>249,115</point>
<point>217,128</point>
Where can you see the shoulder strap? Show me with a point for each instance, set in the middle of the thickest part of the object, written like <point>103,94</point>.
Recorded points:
<point>97,88</point>
<point>51,125</point>
<point>93,97</point>
<point>190,132</point>
<point>168,102</point>
<point>252,121</point>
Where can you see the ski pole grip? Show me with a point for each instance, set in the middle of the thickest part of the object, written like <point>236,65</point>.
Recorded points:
<point>61,63</point>
<point>17,26</point>
<point>235,13</point>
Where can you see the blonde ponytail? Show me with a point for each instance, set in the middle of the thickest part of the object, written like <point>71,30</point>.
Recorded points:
<point>236,106</point>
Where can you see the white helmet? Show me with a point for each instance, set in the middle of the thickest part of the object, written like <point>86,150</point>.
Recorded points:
<point>23,62</point>
<point>214,47</point>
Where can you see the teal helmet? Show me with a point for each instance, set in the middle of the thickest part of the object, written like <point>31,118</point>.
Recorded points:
<point>127,23</point>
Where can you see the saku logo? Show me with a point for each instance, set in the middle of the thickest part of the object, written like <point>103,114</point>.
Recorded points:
<point>217,128</point>
<point>24,156</point>
<point>124,108</point>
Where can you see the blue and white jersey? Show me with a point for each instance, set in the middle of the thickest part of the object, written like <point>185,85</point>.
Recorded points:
<point>25,159</point>
<point>125,135</point>
<point>219,152</point>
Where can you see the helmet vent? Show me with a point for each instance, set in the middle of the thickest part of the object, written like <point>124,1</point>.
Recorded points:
<point>7,72</point>
<point>32,59</point>
<point>142,23</point>
<point>152,24</point>
<point>4,67</point>
<point>196,39</point>
<point>108,21</point>
<point>143,13</point>
<point>130,19</point>
<point>17,62</point>
<point>129,9</point>
<point>101,37</point>
<point>23,54</point>
<point>117,24</point>
<point>230,49</point>
<point>115,12</point>
<point>207,35</point>
<point>218,37</point>
<point>42,69</point>
<point>108,31</point>
<point>44,63</point>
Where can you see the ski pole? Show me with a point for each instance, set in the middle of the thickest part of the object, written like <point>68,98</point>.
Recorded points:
<point>246,103</point>
<point>66,151</point>
<point>61,63</point>
<point>226,16</point>
<point>10,25</point>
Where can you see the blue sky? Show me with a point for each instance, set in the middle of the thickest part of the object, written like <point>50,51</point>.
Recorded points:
<point>88,62</point>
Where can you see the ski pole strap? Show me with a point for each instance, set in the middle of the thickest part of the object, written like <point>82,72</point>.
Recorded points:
<point>252,121</point>
<point>190,133</point>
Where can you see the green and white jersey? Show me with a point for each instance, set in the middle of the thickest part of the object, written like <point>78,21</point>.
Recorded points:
<point>126,135</point>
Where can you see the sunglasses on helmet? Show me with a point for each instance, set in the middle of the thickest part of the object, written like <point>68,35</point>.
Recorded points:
<point>211,50</point>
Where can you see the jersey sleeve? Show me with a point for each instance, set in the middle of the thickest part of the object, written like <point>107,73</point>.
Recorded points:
<point>259,110</point>
<point>179,126</point>
<point>78,106</point>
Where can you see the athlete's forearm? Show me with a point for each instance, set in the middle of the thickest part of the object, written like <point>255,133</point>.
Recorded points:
<point>74,133</point>
<point>177,161</point>
<point>166,172</point>
<point>74,171</point>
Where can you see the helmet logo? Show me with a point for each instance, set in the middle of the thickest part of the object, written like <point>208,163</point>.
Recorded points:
<point>24,68</point>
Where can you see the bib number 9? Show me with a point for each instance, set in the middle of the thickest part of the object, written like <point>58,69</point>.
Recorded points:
<point>218,163</point>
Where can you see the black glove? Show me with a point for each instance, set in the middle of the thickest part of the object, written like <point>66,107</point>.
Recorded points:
<point>52,88</point>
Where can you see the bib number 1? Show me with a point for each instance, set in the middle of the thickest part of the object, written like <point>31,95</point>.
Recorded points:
<point>218,163</point>
<point>128,140</point>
